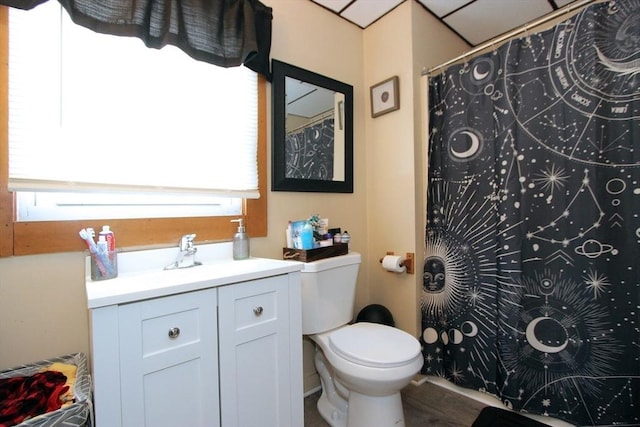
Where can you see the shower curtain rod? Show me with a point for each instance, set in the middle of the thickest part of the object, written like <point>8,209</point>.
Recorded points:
<point>513,33</point>
<point>318,119</point>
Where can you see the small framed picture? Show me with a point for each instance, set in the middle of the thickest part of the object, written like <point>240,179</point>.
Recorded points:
<point>385,97</point>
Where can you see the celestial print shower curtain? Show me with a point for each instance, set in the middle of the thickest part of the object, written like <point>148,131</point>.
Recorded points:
<point>531,287</point>
<point>309,152</point>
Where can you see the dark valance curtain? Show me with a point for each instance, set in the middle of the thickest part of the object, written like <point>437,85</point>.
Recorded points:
<point>225,33</point>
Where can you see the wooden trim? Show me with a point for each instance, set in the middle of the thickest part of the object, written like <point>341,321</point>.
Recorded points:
<point>256,209</point>
<point>26,238</point>
<point>6,198</point>
<point>62,236</point>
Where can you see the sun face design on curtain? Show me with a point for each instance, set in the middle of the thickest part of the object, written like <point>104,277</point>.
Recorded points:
<point>531,285</point>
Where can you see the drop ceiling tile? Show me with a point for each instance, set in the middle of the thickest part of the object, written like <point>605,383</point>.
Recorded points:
<point>335,5</point>
<point>485,19</point>
<point>364,12</point>
<point>441,8</point>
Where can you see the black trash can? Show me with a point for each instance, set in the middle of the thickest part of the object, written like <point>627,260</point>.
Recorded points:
<point>376,313</point>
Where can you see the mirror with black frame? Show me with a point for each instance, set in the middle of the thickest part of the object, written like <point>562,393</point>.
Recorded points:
<point>312,146</point>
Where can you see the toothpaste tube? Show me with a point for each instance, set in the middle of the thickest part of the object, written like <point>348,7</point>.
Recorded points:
<point>109,237</point>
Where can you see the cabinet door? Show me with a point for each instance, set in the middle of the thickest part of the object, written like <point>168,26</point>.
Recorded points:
<point>169,364</point>
<point>255,368</point>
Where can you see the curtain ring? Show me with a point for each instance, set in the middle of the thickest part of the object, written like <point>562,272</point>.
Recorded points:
<point>612,9</point>
<point>465,67</point>
<point>527,38</point>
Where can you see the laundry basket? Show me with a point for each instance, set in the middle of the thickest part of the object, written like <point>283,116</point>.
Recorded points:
<point>80,413</point>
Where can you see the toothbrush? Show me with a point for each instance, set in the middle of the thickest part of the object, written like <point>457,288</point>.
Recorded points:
<point>93,248</point>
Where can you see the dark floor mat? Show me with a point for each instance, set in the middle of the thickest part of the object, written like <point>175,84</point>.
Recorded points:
<point>496,417</point>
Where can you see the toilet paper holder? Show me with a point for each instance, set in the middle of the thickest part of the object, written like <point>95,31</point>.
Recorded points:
<point>407,262</point>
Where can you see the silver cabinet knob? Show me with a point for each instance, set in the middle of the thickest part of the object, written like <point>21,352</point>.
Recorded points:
<point>258,310</point>
<point>174,333</point>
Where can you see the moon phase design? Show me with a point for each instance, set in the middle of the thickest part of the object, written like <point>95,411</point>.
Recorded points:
<point>469,329</point>
<point>621,67</point>
<point>464,145</point>
<point>477,75</point>
<point>455,336</point>
<point>537,343</point>
<point>430,335</point>
<point>479,72</point>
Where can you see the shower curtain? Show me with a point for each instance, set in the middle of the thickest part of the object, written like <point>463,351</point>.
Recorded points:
<point>531,288</point>
<point>309,152</point>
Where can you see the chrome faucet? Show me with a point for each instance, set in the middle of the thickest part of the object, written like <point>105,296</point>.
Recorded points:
<point>187,255</point>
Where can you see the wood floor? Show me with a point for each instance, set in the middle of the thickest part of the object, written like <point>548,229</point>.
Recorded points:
<point>424,405</point>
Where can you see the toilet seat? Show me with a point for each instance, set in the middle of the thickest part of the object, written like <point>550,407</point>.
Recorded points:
<point>374,345</point>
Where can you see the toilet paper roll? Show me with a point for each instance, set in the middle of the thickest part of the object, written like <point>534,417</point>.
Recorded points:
<point>393,263</point>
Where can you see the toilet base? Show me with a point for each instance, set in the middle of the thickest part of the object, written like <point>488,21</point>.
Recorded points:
<point>364,411</point>
<point>331,414</point>
<point>380,411</point>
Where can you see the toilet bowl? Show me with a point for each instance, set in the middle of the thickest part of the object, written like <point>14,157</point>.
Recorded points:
<point>362,366</point>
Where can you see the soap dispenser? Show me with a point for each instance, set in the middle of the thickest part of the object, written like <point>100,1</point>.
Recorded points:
<point>240,241</point>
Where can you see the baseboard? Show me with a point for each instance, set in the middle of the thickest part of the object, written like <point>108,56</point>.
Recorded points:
<point>419,380</point>
<point>313,390</point>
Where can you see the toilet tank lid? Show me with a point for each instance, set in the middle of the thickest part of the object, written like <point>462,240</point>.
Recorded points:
<point>333,262</point>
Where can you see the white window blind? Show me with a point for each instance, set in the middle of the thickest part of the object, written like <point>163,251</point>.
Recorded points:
<point>94,112</point>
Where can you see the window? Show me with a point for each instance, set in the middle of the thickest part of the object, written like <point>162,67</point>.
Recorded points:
<point>50,206</point>
<point>112,115</point>
<point>18,238</point>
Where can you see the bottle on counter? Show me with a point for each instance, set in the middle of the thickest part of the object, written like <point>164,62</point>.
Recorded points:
<point>240,241</point>
<point>104,262</point>
<point>109,237</point>
<point>289,236</point>
<point>345,238</point>
<point>306,236</point>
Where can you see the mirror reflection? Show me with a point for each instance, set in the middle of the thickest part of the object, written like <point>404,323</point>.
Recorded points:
<point>314,147</point>
<point>312,131</point>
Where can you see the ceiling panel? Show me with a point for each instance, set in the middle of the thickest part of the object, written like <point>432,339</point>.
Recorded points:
<point>476,21</point>
<point>441,8</point>
<point>305,99</point>
<point>334,5</point>
<point>484,19</point>
<point>365,12</point>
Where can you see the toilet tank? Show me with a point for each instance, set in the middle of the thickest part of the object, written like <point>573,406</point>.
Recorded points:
<point>328,292</point>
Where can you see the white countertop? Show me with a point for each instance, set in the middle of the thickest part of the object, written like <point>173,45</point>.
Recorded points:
<point>150,280</point>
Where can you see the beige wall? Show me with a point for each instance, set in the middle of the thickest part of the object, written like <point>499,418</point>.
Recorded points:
<point>404,43</point>
<point>331,47</point>
<point>42,299</point>
<point>43,308</point>
<point>390,166</point>
<point>308,37</point>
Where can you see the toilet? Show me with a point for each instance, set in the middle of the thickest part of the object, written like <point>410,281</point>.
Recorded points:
<point>362,366</point>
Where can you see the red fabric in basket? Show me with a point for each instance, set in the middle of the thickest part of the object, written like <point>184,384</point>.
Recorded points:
<point>22,398</point>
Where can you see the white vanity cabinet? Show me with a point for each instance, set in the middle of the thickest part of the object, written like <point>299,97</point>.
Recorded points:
<point>221,353</point>
<point>169,361</point>
<point>255,350</point>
